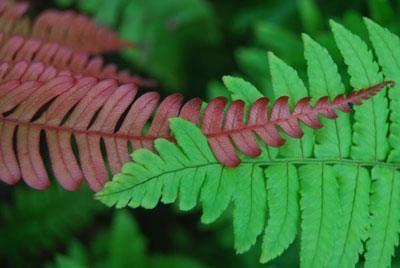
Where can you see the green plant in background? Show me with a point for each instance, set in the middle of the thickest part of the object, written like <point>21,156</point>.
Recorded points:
<point>40,221</point>
<point>167,32</point>
<point>121,245</point>
<point>328,168</point>
<point>271,33</point>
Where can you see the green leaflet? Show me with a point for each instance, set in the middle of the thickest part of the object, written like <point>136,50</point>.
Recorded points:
<point>385,219</point>
<point>334,139</point>
<point>250,206</point>
<point>217,192</point>
<point>320,214</point>
<point>370,130</point>
<point>387,47</point>
<point>284,212</point>
<point>354,189</point>
<point>286,82</point>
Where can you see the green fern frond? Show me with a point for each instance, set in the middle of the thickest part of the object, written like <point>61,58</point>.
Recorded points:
<point>340,184</point>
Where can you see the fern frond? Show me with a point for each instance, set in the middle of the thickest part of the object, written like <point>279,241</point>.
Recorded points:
<point>335,184</point>
<point>68,28</point>
<point>32,50</point>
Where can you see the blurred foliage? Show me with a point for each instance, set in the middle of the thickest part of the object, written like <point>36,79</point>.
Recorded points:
<point>166,31</point>
<point>40,221</point>
<point>120,245</point>
<point>187,45</point>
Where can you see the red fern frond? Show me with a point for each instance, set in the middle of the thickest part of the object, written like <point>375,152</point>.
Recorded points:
<point>16,49</point>
<point>89,110</point>
<point>67,28</point>
<point>220,131</point>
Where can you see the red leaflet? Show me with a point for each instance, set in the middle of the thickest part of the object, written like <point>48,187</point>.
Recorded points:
<point>16,49</point>
<point>76,102</point>
<point>67,28</point>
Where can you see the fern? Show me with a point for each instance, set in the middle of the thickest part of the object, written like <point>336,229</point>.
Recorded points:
<point>319,182</point>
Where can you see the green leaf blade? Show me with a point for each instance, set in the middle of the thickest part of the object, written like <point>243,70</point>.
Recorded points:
<point>320,214</point>
<point>354,190</point>
<point>217,192</point>
<point>385,219</point>
<point>250,206</point>
<point>283,202</point>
